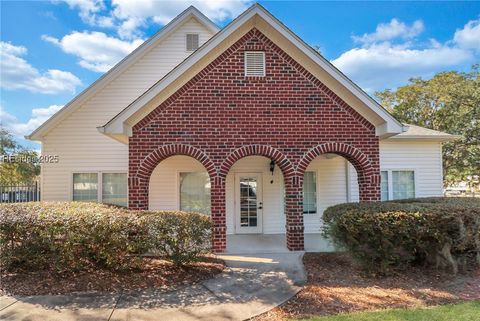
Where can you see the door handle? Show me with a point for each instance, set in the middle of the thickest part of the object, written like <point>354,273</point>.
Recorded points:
<point>260,206</point>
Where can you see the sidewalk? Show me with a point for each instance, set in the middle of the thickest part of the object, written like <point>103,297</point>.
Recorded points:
<point>250,285</point>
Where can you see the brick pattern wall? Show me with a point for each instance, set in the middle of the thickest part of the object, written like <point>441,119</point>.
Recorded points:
<point>220,116</point>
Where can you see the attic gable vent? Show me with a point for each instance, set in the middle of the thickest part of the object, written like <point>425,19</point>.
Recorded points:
<point>255,63</point>
<point>192,41</point>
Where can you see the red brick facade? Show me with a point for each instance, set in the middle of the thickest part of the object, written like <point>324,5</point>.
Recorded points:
<point>220,116</point>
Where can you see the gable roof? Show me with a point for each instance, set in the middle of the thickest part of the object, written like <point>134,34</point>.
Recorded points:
<point>120,126</point>
<point>421,133</point>
<point>120,67</point>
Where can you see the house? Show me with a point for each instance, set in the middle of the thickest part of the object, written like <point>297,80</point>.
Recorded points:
<point>246,123</point>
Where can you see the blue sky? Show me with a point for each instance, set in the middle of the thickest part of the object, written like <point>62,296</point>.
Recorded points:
<point>52,50</point>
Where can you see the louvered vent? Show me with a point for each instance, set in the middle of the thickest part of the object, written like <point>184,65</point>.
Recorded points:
<point>192,41</point>
<point>255,63</point>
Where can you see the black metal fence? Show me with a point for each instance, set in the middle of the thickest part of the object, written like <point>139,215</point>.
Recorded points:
<point>20,193</point>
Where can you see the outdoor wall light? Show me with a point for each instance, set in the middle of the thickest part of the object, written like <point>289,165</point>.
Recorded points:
<point>272,169</point>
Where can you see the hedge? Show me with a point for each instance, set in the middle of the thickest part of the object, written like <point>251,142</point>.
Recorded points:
<point>76,235</point>
<point>383,236</point>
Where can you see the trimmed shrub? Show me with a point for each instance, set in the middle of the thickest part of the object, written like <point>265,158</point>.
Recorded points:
<point>386,235</point>
<point>76,235</point>
<point>179,236</point>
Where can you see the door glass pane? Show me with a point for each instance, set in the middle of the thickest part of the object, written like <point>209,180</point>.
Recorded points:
<point>195,192</point>
<point>248,202</point>
<point>384,185</point>
<point>114,188</point>
<point>85,187</point>
<point>403,184</point>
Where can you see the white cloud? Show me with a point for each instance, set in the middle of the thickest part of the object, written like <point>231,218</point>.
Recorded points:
<point>89,11</point>
<point>96,51</point>
<point>469,36</point>
<point>128,16</point>
<point>21,129</point>
<point>17,73</point>
<point>394,29</point>
<point>136,13</point>
<point>380,64</point>
<point>384,65</point>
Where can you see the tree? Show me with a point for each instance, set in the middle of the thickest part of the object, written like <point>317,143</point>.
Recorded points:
<point>17,165</point>
<point>449,102</point>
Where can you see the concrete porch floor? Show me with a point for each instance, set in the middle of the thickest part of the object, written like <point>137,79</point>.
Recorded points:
<point>273,243</point>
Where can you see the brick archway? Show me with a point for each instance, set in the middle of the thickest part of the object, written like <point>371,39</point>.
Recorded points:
<point>138,182</point>
<point>257,150</point>
<point>368,174</point>
<point>293,217</point>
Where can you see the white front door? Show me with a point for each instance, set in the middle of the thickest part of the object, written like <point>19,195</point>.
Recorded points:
<point>248,203</point>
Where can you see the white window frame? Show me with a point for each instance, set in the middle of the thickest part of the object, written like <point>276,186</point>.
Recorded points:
<point>245,63</point>
<point>390,179</point>
<point>99,182</point>
<point>186,42</point>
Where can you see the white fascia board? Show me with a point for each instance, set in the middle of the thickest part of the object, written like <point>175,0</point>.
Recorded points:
<point>438,138</point>
<point>119,68</point>
<point>120,124</point>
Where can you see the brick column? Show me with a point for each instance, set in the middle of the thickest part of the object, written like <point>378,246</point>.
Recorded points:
<point>219,238</point>
<point>137,193</point>
<point>294,213</point>
<point>369,187</point>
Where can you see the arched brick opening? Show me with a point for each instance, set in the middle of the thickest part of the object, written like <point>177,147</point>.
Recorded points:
<point>368,174</point>
<point>138,181</point>
<point>294,220</point>
<point>257,150</point>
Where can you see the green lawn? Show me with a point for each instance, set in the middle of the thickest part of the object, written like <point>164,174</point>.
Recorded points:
<point>469,311</point>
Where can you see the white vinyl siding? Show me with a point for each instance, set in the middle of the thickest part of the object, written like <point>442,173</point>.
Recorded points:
<point>164,188</point>
<point>76,140</point>
<point>424,158</point>
<point>254,63</point>
<point>331,178</point>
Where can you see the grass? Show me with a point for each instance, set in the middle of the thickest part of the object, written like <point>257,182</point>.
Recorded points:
<point>469,311</point>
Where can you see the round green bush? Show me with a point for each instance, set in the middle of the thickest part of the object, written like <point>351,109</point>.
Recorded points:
<point>76,235</point>
<point>387,235</point>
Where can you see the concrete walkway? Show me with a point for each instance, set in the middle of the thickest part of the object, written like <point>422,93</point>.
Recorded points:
<point>250,285</point>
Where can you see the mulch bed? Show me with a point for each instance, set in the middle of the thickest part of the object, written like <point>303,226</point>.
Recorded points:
<point>154,273</point>
<point>336,285</point>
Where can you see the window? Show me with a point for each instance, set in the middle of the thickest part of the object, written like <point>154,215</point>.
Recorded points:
<point>403,184</point>
<point>397,184</point>
<point>310,193</point>
<point>255,63</point>
<point>114,188</point>
<point>384,185</point>
<point>192,41</point>
<point>85,187</point>
<point>195,192</point>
